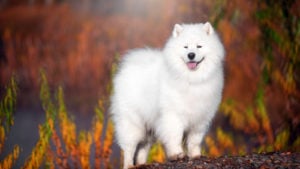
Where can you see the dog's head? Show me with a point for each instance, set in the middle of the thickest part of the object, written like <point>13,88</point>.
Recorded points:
<point>194,49</point>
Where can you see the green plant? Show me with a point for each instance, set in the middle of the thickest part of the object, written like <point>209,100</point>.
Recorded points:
<point>7,108</point>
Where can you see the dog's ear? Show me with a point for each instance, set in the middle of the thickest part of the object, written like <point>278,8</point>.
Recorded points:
<point>208,28</point>
<point>177,30</point>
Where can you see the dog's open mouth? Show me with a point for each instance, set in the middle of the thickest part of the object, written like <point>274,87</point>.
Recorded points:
<point>192,65</point>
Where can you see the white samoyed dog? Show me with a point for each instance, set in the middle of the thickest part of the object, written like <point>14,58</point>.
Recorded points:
<point>169,94</point>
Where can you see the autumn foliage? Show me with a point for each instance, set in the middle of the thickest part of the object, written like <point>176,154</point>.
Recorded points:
<point>61,146</point>
<point>62,51</point>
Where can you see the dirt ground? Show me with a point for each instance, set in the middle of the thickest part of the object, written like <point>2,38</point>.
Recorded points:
<point>270,160</point>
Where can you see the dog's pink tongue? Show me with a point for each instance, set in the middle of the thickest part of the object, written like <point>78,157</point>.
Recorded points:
<point>192,65</point>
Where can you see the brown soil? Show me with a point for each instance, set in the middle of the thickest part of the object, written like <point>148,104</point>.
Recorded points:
<point>278,160</point>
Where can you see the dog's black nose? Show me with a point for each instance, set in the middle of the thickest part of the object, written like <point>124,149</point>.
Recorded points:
<point>191,55</point>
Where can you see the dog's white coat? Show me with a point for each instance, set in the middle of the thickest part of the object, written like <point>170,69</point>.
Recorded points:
<point>156,90</point>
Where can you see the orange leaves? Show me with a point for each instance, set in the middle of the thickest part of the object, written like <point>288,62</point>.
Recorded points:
<point>281,141</point>
<point>288,82</point>
<point>251,121</point>
<point>66,149</point>
<point>7,106</point>
<point>236,119</point>
<point>156,153</point>
<point>97,133</point>
<point>225,140</point>
<point>253,124</point>
<point>78,147</point>
<point>103,139</point>
<point>223,143</point>
<point>67,126</point>
<point>68,131</point>
<point>37,155</point>
<point>85,142</point>
<point>61,156</point>
<point>2,138</point>
<point>9,160</point>
<point>108,140</point>
<point>213,150</point>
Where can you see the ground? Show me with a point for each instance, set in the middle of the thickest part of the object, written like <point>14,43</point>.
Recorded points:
<point>276,160</point>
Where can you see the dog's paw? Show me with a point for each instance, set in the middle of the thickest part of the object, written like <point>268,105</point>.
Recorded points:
<point>176,157</point>
<point>194,157</point>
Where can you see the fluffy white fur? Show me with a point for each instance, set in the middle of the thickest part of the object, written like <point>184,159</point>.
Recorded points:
<point>168,93</point>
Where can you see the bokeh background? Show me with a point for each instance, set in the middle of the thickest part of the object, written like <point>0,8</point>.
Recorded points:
<point>61,55</point>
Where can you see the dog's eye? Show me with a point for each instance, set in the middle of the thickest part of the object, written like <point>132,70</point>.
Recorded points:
<point>186,47</point>
<point>199,46</point>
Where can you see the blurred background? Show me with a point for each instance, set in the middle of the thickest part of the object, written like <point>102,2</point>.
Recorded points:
<point>76,43</point>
